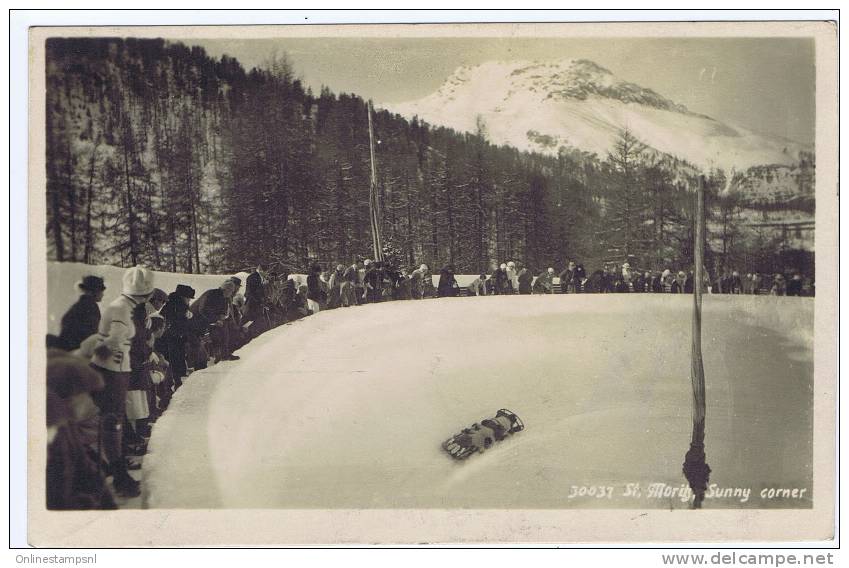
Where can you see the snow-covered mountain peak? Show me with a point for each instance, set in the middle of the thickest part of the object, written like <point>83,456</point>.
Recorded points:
<point>545,105</point>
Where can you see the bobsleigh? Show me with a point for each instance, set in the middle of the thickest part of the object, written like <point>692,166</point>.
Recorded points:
<point>481,436</point>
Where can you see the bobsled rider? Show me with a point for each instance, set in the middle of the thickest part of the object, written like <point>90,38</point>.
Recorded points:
<point>481,436</point>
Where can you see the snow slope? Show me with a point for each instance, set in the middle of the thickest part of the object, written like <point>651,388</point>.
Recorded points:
<point>348,408</point>
<point>540,106</point>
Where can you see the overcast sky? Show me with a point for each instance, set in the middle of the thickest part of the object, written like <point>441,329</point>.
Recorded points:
<point>766,85</point>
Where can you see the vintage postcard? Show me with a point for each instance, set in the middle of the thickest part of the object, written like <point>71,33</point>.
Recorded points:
<point>445,283</point>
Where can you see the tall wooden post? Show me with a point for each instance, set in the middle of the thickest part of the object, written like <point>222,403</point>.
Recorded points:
<point>696,470</point>
<point>375,213</point>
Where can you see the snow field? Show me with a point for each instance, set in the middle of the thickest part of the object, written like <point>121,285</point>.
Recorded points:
<point>348,408</point>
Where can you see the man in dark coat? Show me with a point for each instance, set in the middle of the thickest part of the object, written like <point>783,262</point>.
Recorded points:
<point>447,287</point>
<point>349,284</point>
<point>502,280</point>
<point>255,299</point>
<point>566,286</point>
<point>373,282</point>
<point>208,312</point>
<point>794,287</point>
<point>82,320</point>
<point>173,341</point>
<point>525,279</point>
<point>315,291</point>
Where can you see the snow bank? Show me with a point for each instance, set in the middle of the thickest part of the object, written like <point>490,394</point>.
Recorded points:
<point>348,408</point>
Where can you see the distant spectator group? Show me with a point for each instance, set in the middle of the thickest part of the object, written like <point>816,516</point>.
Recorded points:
<point>112,373</point>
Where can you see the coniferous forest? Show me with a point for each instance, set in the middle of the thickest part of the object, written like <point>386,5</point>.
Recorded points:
<point>158,154</point>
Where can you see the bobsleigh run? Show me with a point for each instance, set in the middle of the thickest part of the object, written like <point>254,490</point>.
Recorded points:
<point>480,436</point>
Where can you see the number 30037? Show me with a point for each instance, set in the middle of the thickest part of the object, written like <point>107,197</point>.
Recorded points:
<point>598,491</point>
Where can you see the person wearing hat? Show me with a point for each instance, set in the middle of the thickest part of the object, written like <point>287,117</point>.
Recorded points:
<point>173,341</point>
<point>82,320</point>
<point>112,358</point>
<point>525,279</point>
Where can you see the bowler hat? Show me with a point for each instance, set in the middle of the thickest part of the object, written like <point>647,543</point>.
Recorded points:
<point>92,284</point>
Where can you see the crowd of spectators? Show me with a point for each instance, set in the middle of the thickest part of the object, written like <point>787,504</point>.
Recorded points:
<point>111,374</point>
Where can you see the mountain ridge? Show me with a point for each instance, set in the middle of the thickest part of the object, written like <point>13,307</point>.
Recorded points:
<point>542,105</point>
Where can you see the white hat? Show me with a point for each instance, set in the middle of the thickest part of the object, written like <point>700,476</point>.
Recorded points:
<point>550,270</point>
<point>503,266</point>
<point>366,262</point>
<point>511,264</point>
<point>423,267</point>
<point>137,281</point>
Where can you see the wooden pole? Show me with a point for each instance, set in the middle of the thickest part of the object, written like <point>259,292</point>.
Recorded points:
<point>696,470</point>
<point>374,198</point>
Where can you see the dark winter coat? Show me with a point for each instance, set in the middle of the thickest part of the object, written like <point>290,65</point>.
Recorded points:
<point>525,281</point>
<point>794,287</point>
<point>73,479</point>
<point>502,281</point>
<point>80,322</point>
<point>373,282</point>
<point>315,291</point>
<point>209,308</point>
<point>254,296</point>
<point>447,287</point>
<point>402,290</point>
<point>566,281</point>
<point>679,287</point>
<point>140,351</point>
<point>543,285</point>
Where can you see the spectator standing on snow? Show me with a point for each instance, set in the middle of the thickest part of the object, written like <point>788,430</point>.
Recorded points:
<point>82,320</point>
<point>255,301</point>
<point>362,269</point>
<point>544,282</point>
<point>478,286</point>
<point>734,285</point>
<point>512,277</point>
<point>349,285</point>
<point>316,296</point>
<point>667,280</point>
<point>173,341</point>
<point>794,287</point>
<point>579,280</point>
<point>679,285</point>
<point>373,282</point>
<point>112,358</point>
<point>566,279</point>
<point>502,280</point>
<point>779,286</point>
<point>208,314</point>
<point>447,287</point>
<point>525,279</point>
<point>139,386</point>
<point>334,298</point>
<point>402,290</point>
<point>417,281</point>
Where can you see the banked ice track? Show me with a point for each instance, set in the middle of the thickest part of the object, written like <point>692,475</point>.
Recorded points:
<point>347,408</point>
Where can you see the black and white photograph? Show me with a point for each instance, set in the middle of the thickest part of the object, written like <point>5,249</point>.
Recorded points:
<point>471,271</point>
